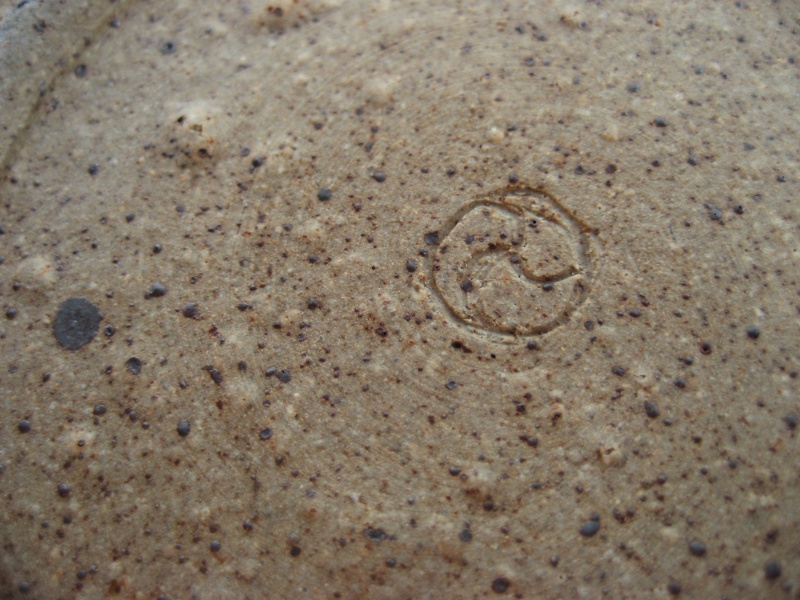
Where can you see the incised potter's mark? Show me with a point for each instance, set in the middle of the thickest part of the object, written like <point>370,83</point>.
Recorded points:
<point>515,263</point>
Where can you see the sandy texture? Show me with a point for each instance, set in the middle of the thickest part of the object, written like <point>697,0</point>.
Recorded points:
<point>6,7</point>
<point>407,300</point>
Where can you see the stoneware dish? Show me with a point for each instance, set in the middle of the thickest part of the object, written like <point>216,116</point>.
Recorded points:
<point>399,299</point>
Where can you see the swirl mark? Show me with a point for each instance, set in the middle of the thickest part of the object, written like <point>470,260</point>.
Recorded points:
<point>516,263</point>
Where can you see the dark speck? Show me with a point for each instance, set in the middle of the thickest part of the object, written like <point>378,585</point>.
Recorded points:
<point>500,585</point>
<point>295,551</point>
<point>674,588</point>
<point>100,409</point>
<point>633,87</point>
<point>432,238</point>
<point>11,313</point>
<point>548,287</point>
<point>466,285</point>
<point>129,218</point>
<point>76,323</point>
<point>660,122</point>
<point>465,535</point>
<point>93,169</point>
<point>697,547</point>
<point>214,373</point>
<point>451,385</point>
<point>63,490</point>
<point>265,434</point>
<point>284,376</point>
<point>714,213</point>
<point>215,546</point>
<point>109,330</point>
<point>411,265</point>
<point>157,290</point>
<point>375,535</point>
<point>313,303</point>
<point>379,176</point>
<point>134,365</point>
<point>791,420</point>
<point>753,332</point>
<point>80,71</point>
<point>589,528</point>
<point>189,310</point>
<point>772,569</point>
<point>168,48</point>
<point>184,428</point>
<point>324,194</point>
<point>650,409</point>
<point>618,371</point>
<point>24,426</point>
<point>532,345</point>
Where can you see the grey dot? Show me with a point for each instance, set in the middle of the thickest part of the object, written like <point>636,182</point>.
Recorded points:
<point>375,535</point>
<point>265,434</point>
<point>134,365</point>
<point>157,290</point>
<point>431,238</point>
<point>76,323</point>
<point>651,409</point>
<point>772,569</point>
<point>697,547</point>
<point>500,585</point>
<point>590,528</point>
<point>184,428</point>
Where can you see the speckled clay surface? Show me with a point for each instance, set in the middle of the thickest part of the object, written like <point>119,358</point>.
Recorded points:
<point>401,300</point>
